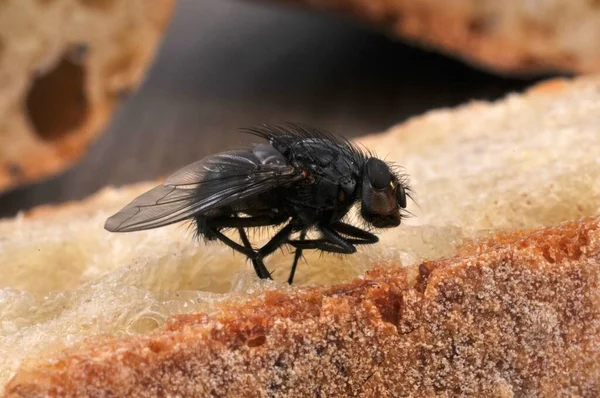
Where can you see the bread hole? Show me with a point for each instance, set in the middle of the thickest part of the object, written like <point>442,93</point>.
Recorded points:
<point>320,350</point>
<point>273,385</point>
<point>390,308</point>
<point>341,367</point>
<point>423,276</point>
<point>281,361</point>
<point>57,103</point>
<point>103,5</point>
<point>1,44</point>
<point>256,341</point>
<point>145,323</point>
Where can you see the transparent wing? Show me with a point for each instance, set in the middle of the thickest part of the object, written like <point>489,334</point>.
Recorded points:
<point>210,183</point>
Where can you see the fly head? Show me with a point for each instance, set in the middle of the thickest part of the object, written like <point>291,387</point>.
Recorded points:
<point>383,195</point>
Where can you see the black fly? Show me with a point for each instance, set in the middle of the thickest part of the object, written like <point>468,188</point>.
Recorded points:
<point>302,178</point>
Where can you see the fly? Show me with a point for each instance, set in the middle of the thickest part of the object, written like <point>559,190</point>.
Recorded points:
<point>301,179</point>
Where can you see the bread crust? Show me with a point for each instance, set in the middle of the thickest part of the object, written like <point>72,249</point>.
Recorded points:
<point>64,67</point>
<point>515,314</point>
<point>509,37</point>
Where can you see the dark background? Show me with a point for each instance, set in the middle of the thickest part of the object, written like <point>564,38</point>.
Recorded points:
<point>226,64</point>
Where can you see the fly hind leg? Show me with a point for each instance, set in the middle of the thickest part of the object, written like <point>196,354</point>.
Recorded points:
<point>259,267</point>
<point>214,225</point>
<point>276,241</point>
<point>297,256</point>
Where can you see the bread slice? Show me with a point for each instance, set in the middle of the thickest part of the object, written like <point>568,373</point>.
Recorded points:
<point>64,67</point>
<point>507,37</point>
<point>490,290</point>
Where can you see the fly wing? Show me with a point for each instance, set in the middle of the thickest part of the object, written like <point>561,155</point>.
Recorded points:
<point>207,184</point>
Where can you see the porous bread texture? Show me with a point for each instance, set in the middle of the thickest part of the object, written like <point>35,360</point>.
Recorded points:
<point>525,162</point>
<point>506,37</point>
<point>64,67</point>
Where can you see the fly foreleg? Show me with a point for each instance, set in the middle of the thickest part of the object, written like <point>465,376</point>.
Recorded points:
<point>332,242</point>
<point>358,236</point>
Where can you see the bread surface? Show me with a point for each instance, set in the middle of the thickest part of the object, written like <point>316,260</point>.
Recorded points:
<point>491,289</point>
<point>64,67</point>
<point>507,37</point>
<point>515,319</point>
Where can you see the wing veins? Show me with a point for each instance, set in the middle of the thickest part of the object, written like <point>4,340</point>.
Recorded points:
<point>190,206</point>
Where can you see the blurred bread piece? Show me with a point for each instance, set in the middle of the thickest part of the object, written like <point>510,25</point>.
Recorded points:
<point>64,67</point>
<point>506,37</point>
<point>490,290</point>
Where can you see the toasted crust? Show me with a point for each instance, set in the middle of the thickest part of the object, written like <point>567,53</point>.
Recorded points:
<point>509,37</point>
<point>64,67</point>
<point>515,315</point>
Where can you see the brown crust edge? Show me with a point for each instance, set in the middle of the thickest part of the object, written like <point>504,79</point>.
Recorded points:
<point>515,314</point>
<point>453,33</point>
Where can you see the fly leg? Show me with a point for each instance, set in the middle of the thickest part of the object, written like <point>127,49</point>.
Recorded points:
<point>259,267</point>
<point>234,245</point>
<point>297,256</point>
<point>257,257</point>
<point>360,236</point>
<point>332,242</point>
<point>276,241</point>
<point>240,223</point>
<point>323,245</point>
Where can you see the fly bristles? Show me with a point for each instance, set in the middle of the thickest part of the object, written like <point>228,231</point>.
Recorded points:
<point>256,181</point>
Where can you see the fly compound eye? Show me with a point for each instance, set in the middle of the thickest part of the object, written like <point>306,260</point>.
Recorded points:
<point>300,179</point>
<point>401,196</point>
<point>378,173</point>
